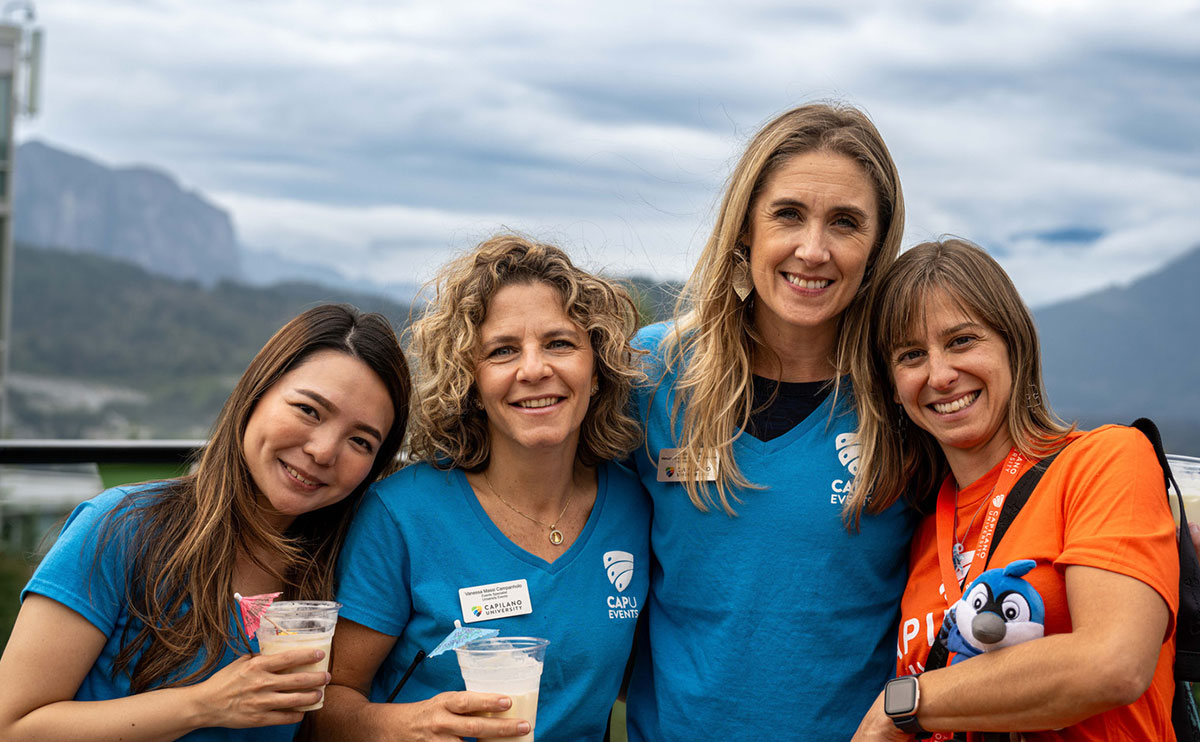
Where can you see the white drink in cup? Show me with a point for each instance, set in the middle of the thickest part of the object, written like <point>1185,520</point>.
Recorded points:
<point>511,666</point>
<point>299,624</point>
<point>1187,474</point>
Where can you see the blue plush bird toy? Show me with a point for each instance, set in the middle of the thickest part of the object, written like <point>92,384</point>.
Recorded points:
<point>999,609</point>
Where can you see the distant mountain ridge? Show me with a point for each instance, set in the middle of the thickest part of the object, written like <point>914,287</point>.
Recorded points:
<point>1130,351</point>
<point>144,216</point>
<point>1114,355</point>
<point>137,214</point>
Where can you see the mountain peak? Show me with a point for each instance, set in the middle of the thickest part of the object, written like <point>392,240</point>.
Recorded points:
<point>140,214</point>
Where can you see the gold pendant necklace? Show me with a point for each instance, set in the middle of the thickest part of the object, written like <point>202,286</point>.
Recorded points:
<point>556,536</point>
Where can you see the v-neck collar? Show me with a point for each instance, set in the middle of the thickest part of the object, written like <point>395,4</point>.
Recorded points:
<point>822,415</point>
<point>507,544</point>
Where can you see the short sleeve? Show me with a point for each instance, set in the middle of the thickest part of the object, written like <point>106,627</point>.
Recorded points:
<point>1116,516</point>
<point>82,572</point>
<point>374,580</point>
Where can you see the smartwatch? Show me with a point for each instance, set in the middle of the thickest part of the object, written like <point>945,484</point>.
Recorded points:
<point>900,698</point>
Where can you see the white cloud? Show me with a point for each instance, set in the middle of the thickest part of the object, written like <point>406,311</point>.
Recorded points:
<point>329,129</point>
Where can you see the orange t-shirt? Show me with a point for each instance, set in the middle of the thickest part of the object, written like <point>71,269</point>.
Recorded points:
<point>1102,504</point>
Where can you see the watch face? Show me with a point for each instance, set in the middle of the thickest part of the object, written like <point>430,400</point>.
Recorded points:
<point>900,697</point>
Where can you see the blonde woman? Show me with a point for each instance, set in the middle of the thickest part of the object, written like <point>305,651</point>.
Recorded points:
<point>773,602</point>
<point>514,517</point>
<point>128,629</point>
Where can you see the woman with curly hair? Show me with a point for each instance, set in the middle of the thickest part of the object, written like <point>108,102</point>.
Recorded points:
<point>525,369</point>
<point>128,629</point>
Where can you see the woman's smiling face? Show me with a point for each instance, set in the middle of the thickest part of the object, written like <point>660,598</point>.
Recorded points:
<point>313,436</point>
<point>810,231</point>
<point>954,381</point>
<point>535,370</point>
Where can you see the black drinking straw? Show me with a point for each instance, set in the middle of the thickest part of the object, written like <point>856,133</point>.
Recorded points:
<point>407,674</point>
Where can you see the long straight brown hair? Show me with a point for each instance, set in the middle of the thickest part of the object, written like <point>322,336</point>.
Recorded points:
<point>183,537</point>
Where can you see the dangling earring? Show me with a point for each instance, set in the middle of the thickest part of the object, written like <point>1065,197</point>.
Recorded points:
<point>1035,396</point>
<point>595,387</point>
<point>743,284</point>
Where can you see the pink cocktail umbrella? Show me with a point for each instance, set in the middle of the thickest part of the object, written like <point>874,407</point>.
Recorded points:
<point>253,607</point>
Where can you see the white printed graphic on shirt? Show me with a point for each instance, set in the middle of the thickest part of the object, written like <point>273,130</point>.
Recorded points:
<point>618,566</point>
<point>848,449</point>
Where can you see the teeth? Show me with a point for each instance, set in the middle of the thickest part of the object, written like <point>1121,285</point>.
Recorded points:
<point>797,281</point>
<point>301,479</point>
<point>956,405</point>
<point>543,402</point>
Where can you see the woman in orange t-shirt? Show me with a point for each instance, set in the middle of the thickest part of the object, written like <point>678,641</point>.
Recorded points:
<point>1066,631</point>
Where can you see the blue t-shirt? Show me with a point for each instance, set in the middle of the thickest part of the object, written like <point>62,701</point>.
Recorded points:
<point>420,536</point>
<point>777,622</point>
<point>90,578</point>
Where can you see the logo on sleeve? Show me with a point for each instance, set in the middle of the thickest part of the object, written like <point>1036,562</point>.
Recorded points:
<point>618,565</point>
<point>848,450</point>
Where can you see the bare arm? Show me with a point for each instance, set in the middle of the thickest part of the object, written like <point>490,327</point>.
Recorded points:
<point>348,715</point>
<point>1108,660</point>
<point>36,703</point>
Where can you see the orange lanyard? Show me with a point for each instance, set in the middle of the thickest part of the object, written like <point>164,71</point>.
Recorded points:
<point>947,504</point>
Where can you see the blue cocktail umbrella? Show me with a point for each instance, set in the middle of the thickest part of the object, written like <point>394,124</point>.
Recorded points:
<point>458,637</point>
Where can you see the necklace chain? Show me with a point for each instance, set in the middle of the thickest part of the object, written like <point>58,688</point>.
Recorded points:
<point>958,542</point>
<point>556,536</point>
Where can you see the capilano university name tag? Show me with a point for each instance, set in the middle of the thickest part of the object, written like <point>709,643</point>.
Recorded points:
<point>497,600</point>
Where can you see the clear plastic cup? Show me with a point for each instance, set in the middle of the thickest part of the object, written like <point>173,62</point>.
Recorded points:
<point>508,665</point>
<point>300,624</point>
<point>1187,473</point>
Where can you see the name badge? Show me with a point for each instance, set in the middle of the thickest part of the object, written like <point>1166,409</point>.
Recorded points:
<point>497,600</point>
<point>673,467</point>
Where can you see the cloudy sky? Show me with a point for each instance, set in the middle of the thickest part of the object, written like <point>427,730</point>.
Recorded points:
<point>379,135</point>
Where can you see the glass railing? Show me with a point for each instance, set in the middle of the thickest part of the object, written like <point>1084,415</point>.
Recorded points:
<point>41,481</point>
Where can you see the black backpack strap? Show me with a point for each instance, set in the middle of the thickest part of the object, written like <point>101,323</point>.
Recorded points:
<point>938,654</point>
<point>1016,500</point>
<point>1187,618</point>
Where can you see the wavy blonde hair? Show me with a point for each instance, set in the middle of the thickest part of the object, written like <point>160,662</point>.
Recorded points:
<point>714,337</point>
<point>449,430</point>
<point>897,457</point>
<point>183,536</point>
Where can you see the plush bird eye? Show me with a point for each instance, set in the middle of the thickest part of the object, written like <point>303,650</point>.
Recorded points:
<point>978,597</point>
<point>1014,607</point>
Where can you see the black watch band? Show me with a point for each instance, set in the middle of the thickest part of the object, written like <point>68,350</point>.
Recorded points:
<point>901,697</point>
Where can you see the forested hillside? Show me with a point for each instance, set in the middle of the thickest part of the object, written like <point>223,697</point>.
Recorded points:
<point>85,318</point>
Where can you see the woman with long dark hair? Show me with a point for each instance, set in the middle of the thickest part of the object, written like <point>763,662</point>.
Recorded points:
<point>129,630</point>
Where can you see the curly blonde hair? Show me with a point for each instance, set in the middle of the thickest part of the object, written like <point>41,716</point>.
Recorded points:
<point>449,430</point>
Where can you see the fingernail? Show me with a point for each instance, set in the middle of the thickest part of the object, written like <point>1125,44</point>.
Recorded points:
<point>523,727</point>
<point>328,678</point>
<point>505,702</point>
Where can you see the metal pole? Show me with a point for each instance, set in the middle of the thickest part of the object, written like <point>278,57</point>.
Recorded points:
<point>10,56</point>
